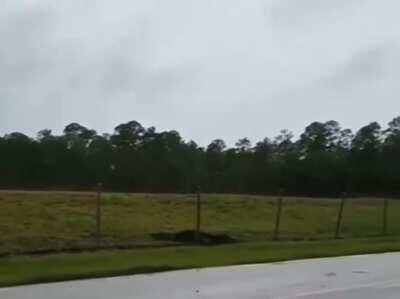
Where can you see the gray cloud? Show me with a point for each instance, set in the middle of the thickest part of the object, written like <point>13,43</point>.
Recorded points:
<point>365,67</point>
<point>228,68</point>
<point>292,13</point>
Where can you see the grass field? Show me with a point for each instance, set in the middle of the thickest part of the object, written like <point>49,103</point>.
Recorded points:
<point>35,224</point>
<point>51,221</point>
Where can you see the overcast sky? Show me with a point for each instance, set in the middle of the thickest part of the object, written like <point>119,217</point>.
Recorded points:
<point>209,69</point>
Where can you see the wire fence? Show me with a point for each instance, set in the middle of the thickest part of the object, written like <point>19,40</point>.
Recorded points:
<point>37,222</point>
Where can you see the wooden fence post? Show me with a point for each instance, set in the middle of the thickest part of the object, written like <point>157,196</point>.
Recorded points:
<point>340,216</point>
<point>385,216</point>
<point>198,216</point>
<point>98,214</point>
<point>278,215</point>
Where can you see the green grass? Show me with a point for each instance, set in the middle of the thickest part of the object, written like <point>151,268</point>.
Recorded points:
<point>56,221</point>
<point>20,270</point>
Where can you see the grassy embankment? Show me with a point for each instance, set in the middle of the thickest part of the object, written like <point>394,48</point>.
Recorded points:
<point>55,221</point>
<point>59,267</point>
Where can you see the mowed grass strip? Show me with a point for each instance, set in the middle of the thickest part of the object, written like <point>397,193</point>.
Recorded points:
<point>58,221</point>
<point>19,270</point>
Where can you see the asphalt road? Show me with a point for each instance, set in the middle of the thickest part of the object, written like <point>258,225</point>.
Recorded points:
<point>356,277</point>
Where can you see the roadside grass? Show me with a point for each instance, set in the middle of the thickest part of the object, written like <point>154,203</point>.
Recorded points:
<point>58,221</point>
<point>20,270</point>
<point>37,229</point>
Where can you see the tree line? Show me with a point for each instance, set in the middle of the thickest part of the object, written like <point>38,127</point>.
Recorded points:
<point>325,160</point>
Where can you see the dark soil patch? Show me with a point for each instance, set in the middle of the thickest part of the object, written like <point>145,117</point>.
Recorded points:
<point>190,236</point>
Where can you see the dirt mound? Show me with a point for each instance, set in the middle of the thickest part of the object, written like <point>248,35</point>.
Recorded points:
<point>190,236</point>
